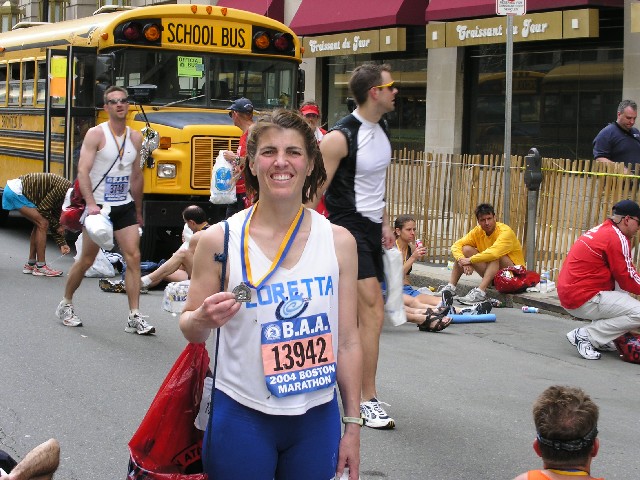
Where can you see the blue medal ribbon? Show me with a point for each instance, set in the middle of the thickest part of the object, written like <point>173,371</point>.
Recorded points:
<point>283,249</point>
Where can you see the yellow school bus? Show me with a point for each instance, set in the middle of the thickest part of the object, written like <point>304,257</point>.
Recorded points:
<point>184,65</point>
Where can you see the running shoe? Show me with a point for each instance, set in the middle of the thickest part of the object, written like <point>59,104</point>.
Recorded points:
<point>579,339</point>
<point>28,268</point>
<point>45,271</point>
<point>447,287</point>
<point>375,416</point>
<point>481,308</point>
<point>65,312</point>
<point>118,286</point>
<point>474,296</point>
<point>447,299</point>
<point>136,323</point>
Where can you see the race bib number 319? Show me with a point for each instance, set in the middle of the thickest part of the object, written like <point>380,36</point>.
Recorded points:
<point>297,355</point>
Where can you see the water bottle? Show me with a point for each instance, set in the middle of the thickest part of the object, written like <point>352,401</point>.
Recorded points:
<point>544,279</point>
<point>526,309</point>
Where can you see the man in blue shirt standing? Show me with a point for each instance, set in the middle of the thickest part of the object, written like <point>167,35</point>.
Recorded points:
<point>619,141</point>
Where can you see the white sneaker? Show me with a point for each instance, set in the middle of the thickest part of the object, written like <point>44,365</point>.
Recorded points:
<point>481,308</point>
<point>474,296</point>
<point>448,287</point>
<point>136,323</point>
<point>65,312</point>
<point>375,416</point>
<point>579,339</point>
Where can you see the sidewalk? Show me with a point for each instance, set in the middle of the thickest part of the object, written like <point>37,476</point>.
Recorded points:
<point>423,275</point>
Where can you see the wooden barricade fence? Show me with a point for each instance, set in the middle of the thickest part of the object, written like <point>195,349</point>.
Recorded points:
<point>441,192</point>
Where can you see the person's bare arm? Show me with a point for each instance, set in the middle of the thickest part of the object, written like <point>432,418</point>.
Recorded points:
<point>349,374</point>
<point>39,464</point>
<point>207,305</point>
<point>90,146</point>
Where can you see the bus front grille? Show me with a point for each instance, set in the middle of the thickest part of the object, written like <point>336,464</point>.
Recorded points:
<point>205,151</point>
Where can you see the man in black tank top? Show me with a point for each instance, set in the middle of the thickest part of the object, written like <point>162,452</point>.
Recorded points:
<point>356,153</point>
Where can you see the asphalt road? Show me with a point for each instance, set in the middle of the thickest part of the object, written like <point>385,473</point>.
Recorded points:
<point>461,398</point>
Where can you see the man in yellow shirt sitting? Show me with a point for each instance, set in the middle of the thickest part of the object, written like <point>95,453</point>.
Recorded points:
<point>487,248</point>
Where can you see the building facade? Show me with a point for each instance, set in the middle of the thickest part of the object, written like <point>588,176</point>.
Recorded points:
<point>573,61</point>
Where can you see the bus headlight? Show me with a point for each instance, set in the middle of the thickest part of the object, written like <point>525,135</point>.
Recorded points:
<point>166,170</point>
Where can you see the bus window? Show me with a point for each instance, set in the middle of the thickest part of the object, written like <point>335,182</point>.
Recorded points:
<point>28,78</point>
<point>184,78</point>
<point>3,83</point>
<point>14,83</point>
<point>42,78</point>
<point>266,84</point>
<point>178,77</point>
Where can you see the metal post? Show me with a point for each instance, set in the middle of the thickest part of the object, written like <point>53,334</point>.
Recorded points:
<point>532,207</point>
<point>507,121</point>
<point>532,179</point>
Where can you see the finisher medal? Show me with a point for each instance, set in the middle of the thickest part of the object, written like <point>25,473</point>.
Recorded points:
<point>242,293</point>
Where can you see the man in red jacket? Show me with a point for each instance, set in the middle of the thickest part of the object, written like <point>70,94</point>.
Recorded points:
<point>587,283</point>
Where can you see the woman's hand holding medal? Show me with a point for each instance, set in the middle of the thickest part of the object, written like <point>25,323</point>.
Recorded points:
<point>216,310</point>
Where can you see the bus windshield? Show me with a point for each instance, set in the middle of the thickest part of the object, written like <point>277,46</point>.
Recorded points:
<point>198,80</point>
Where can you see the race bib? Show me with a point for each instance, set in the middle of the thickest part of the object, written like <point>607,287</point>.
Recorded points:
<point>116,188</point>
<point>297,355</point>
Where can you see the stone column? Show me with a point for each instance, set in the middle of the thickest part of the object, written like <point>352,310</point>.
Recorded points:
<point>631,59</point>
<point>443,126</point>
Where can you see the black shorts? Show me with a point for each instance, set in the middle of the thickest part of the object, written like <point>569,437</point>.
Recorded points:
<point>368,237</point>
<point>123,216</point>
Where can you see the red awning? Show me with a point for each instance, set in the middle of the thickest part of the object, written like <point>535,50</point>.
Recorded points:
<point>458,9</point>
<point>269,8</point>
<point>316,17</point>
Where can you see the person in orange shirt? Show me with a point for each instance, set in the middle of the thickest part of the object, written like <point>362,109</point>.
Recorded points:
<point>566,421</point>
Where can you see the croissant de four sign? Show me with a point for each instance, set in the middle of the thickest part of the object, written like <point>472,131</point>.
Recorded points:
<point>536,26</point>
<point>366,41</point>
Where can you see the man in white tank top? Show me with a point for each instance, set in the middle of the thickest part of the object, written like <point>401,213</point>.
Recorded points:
<point>109,174</point>
<point>356,154</point>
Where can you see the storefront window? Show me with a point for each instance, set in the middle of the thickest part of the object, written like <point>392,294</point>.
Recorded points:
<point>562,96</point>
<point>407,122</point>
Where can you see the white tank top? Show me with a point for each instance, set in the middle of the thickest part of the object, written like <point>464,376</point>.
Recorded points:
<point>114,189</point>
<point>315,278</point>
<point>374,156</point>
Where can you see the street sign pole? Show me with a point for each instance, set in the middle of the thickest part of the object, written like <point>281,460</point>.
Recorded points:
<point>508,8</point>
<point>508,97</point>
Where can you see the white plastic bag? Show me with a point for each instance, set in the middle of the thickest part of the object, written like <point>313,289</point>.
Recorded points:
<point>223,189</point>
<point>175,294</point>
<point>100,228</point>
<point>102,266</point>
<point>394,312</point>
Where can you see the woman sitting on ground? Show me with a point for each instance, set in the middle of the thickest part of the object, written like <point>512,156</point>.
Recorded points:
<point>418,304</point>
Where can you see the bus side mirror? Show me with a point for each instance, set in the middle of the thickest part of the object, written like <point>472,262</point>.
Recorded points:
<point>533,170</point>
<point>301,85</point>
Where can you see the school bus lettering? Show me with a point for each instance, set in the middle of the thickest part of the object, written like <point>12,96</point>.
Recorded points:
<point>232,37</point>
<point>12,121</point>
<point>208,35</point>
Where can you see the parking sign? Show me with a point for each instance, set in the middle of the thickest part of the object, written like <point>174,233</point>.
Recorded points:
<point>511,7</point>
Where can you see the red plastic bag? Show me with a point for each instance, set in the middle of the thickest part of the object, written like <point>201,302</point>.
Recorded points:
<point>628,346</point>
<point>515,279</point>
<point>167,445</point>
<point>71,214</point>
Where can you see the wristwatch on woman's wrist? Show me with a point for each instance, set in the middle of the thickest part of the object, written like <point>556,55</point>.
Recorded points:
<point>356,420</point>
